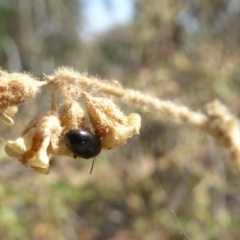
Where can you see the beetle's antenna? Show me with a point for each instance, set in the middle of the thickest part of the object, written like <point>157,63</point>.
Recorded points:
<point>92,165</point>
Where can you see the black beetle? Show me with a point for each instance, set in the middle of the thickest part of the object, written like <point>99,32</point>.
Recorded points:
<point>82,143</point>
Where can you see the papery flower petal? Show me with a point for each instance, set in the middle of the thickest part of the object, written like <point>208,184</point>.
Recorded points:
<point>10,152</point>
<point>7,115</point>
<point>6,119</point>
<point>22,144</point>
<point>41,158</point>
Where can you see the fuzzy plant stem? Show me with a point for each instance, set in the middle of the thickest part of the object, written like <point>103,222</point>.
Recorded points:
<point>217,121</point>
<point>161,109</point>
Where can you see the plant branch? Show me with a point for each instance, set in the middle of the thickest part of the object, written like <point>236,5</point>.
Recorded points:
<point>217,121</point>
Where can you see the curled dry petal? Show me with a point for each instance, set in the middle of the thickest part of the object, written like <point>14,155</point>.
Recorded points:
<point>39,139</point>
<point>22,144</point>
<point>6,119</point>
<point>7,115</point>
<point>109,123</point>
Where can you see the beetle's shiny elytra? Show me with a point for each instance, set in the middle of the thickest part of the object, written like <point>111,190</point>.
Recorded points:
<point>82,143</point>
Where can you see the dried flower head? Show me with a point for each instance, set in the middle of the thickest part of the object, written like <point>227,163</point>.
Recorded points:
<point>66,83</point>
<point>39,139</point>
<point>109,123</point>
<point>15,88</point>
<point>47,134</point>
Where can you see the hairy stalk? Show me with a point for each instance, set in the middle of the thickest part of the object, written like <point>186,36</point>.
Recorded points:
<point>148,104</point>
<point>217,121</point>
<point>109,123</point>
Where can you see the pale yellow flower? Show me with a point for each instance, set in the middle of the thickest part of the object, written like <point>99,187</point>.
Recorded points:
<point>39,140</point>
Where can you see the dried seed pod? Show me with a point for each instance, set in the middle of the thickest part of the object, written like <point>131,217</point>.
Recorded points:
<point>71,115</point>
<point>39,139</point>
<point>15,88</point>
<point>109,123</point>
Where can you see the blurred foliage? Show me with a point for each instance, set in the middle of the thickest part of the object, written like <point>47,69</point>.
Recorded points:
<point>184,51</point>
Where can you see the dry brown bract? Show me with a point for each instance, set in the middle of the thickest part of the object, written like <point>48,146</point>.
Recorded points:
<point>15,88</point>
<point>44,135</point>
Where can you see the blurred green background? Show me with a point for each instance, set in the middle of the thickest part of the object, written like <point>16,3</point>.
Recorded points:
<point>184,51</point>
